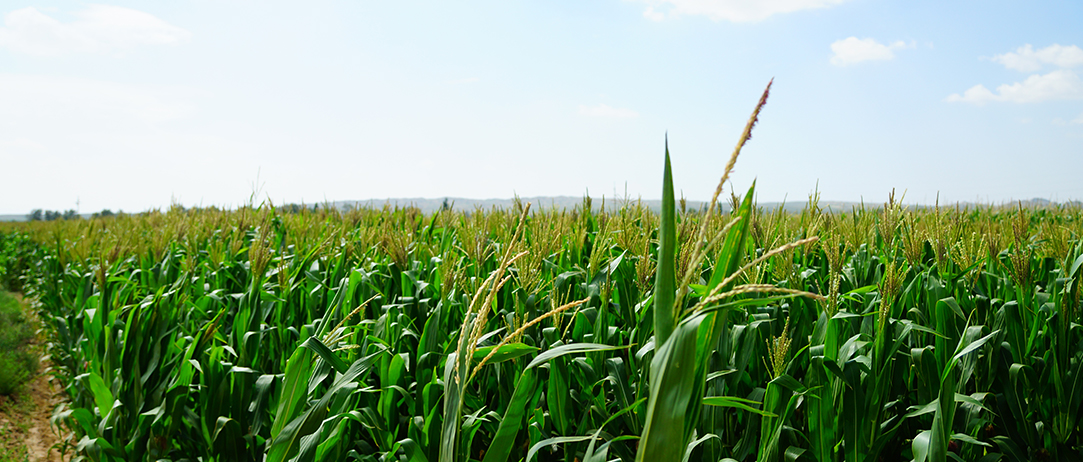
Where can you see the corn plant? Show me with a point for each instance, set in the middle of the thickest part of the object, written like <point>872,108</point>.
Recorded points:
<point>602,332</point>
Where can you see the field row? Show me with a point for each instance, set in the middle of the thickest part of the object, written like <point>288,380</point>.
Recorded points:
<point>879,334</point>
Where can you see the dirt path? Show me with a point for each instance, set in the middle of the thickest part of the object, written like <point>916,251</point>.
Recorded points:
<point>41,437</point>
<point>24,418</point>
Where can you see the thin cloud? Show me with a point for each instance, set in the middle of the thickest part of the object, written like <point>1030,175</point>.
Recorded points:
<point>853,50</point>
<point>1027,59</point>
<point>97,29</point>
<point>653,15</point>
<point>1057,85</point>
<point>465,81</point>
<point>603,110</point>
<point>732,10</point>
<point>1078,120</point>
<point>1060,84</point>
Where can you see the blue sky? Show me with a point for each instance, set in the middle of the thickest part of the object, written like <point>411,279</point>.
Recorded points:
<point>135,105</point>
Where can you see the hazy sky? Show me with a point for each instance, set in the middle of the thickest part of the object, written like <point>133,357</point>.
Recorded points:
<point>135,105</point>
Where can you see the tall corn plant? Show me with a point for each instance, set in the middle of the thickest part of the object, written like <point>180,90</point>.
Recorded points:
<point>685,337</point>
<point>467,360</point>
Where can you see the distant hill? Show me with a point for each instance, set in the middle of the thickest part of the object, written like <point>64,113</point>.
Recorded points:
<point>537,203</point>
<point>428,205</point>
<point>569,203</point>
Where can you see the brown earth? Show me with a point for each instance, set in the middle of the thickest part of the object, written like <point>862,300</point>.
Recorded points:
<point>41,439</point>
<point>24,417</point>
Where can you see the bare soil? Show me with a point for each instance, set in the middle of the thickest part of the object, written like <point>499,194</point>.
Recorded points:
<point>25,431</point>
<point>41,439</point>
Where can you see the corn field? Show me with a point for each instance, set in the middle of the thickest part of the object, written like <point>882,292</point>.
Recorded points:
<point>606,332</point>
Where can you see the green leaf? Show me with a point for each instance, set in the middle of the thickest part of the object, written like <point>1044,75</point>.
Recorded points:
<point>665,313</point>
<point>964,350</point>
<point>288,440</point>
<point>103,396</point>
<point>735,402</point>
<point>229,441</point>
<point>694,443</point>
<point>317,346</point>
<point>556,396</point>
<point>518,407</point>
<point>506,352</point>
<point>970,440</point>
<point>568,349</point>
<point>295,389</point>
<point>671,390</point>
<point>920,446</point>
<point>598,455</point>
<point>733,249</point>
<point>553,441</point>
<point>1075,266</point>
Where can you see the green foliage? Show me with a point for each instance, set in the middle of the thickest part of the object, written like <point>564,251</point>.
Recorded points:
<point>17,252</point>
<point>51,215</point>
<point>246,335</point>
<point>17,364</point>
<point>574,335</point>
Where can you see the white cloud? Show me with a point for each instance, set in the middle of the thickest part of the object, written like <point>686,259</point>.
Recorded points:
<point>653,15</point>
<point>1078,120</point>
<point>97,29</point>
<point>853,50</point>
<point>1061,84</point>
<point>734,10</point>
<point>1026,59</point>
<point>603,110</point>
<point>1057,85</point>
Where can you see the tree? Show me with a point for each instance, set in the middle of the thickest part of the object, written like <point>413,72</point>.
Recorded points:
<point>35,215</point>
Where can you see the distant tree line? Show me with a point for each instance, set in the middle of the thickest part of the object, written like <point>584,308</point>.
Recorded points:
<point>52,215</point>
<point>290,208</point>
<point>72,214</point>
<point>297,208</point>
<point>105,213</point>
